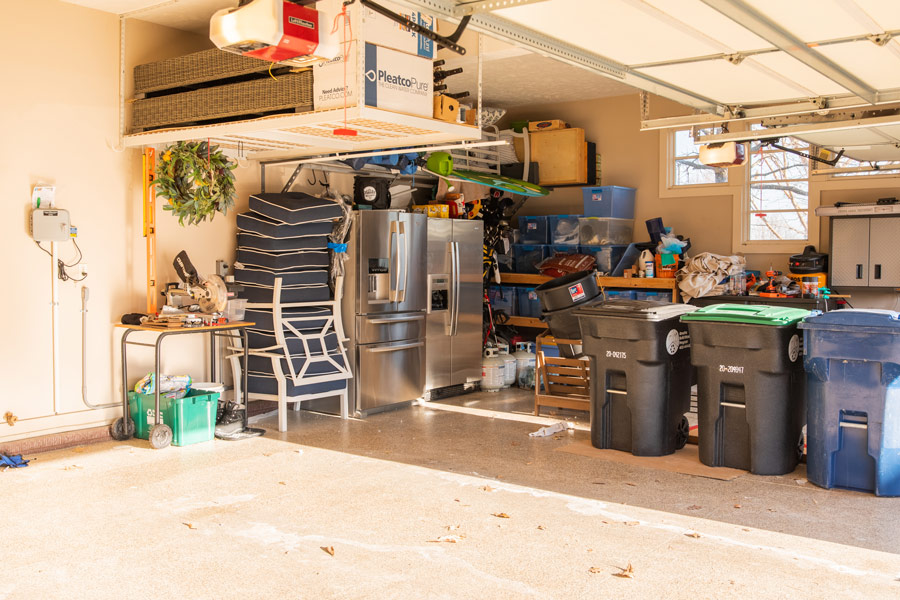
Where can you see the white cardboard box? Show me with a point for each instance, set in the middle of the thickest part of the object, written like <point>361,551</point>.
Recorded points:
<point>393,81</point>
<point>381,31</point>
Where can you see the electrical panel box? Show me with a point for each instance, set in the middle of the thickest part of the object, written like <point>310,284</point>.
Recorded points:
<point>50,225</point>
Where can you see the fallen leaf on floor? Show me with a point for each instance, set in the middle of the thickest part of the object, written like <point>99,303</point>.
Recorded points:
<point>449,539</point>
<point>590,549</point>
<point>299,450</point>
<point>744,529</point>
<point>694,507</point>
<point>772,510</point>
<point>328,549</point>
<point>631,484</point>
<point>487,488</point>
<point>452,527</point>
<point>515,444</point>
<point>72,467</point>
<point>189,525</point>
<point>800,481</point>
<point>500,515</point>
<point>267,454</point>
<point>737,505</point>
<point>541,527</point>
<point>557,437</point>
<point>693,534</point>
<point>632,523</point>
<point>595,570</point>
<point>627,572</point>
<point>79,449</point>
<point>282,483</point>
<point>605,522</point>
<point>816,502</point>
<point>599,482</point>
<point>529,462</point>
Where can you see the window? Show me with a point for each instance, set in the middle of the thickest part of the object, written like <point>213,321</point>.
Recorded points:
<point>778,198</point>
<point>686,166</point>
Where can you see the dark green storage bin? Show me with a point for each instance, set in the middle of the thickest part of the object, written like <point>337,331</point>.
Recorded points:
<point>192,418</point>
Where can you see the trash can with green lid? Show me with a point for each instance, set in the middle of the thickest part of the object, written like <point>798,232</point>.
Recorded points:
<point>751,403</point>
<point>640,374</point>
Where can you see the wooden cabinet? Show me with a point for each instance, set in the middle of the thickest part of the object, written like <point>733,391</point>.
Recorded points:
<point>562,155</point>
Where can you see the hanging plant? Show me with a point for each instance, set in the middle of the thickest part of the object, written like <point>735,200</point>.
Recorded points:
<point>197,179</point>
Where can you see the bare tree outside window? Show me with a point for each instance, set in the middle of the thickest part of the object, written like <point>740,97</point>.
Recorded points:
<point>688,168</point>
<point>779,192</point>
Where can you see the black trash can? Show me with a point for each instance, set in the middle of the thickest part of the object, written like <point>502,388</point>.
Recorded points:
<point>751,402</point>
<point>640,375</point>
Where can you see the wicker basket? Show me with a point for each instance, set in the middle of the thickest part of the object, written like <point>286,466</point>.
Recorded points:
<point>207,65</point>
<point>260,96</point>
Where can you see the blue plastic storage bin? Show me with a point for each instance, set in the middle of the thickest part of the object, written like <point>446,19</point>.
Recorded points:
<point>528,256</point>
<point>609,201</point>
<point>529,305</point>
<point>503,297</point>
<point>534,230</point>
<point>607,257</point>
<point>852,360</point>
<point>563,229</point>
<point>555,249</point>
<point>620,294</point>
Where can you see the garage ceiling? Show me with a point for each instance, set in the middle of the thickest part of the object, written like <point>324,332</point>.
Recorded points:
<point>725,57</point>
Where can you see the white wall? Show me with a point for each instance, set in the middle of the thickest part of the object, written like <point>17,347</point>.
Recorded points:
<point>59,122</point>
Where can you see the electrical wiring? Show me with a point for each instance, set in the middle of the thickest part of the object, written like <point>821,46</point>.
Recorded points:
<point>62,266</point>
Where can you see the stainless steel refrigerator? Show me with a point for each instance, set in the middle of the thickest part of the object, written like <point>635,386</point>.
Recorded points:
<point>455,302</point>
<point>384,308</point>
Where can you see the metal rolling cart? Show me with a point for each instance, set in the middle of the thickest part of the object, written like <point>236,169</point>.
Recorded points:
<point>161,434</point>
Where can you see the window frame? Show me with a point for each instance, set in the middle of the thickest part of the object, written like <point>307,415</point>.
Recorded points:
<point>667,186</point>
<point>737,189</point>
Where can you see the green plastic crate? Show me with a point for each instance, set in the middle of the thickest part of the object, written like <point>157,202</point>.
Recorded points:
<point>754,314</point>
<point>192,418</point>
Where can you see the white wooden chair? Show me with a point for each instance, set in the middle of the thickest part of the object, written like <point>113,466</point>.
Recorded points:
<point>288,327</point>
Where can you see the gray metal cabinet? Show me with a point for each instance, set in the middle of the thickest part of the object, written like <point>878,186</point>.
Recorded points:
<point>864,252</point>
<point>884,258</point>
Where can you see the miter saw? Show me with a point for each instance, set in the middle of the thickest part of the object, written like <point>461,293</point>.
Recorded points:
<point>209,294</point>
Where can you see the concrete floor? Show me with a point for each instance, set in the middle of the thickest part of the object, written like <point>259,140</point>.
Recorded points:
<point>249,519</point>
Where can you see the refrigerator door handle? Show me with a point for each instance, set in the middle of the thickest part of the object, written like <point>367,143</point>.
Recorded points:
<point>456,289</point>
<point>404,245</point>
<point>394,263</point>
<point>380,349</point>
<point>398,320</point>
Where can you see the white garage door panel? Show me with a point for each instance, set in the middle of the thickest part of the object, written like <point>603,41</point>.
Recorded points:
<point>811,20</point>
<point>890,131</point>
<point>727,83</point>
<point>793,69</point>
<point>846,137</point>
<point>884,12</point>
<point>874,153</point>
<point>878,66</point>
<point>712,23</point>
<point>614,29</point>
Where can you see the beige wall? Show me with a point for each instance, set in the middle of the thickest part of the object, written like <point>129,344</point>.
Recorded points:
<point>59,122</point>
<point>631,158</point>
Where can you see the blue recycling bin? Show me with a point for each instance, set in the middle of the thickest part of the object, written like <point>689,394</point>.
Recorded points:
<point>852,360</point>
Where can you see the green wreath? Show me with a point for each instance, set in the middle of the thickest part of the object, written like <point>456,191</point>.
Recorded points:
<point>197,179</point>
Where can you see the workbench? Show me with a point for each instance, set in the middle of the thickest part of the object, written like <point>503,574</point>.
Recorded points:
<point>161,434</point>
